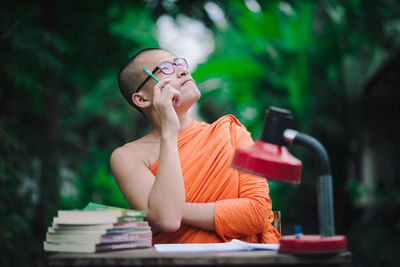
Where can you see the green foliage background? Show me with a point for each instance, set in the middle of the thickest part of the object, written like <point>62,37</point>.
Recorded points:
<point>61,113</point>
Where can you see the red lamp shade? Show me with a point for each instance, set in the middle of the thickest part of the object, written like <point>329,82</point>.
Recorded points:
<point>268,160</point>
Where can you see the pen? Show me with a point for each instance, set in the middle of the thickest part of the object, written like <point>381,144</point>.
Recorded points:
<point>150,74</point>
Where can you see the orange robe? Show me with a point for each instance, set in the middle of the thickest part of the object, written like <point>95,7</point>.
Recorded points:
<point>242,203</point>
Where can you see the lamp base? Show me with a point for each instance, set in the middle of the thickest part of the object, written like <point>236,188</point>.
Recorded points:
<point>312,244</point>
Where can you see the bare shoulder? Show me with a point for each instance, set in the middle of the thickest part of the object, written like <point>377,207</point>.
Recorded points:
<point>123,152</point>
<point>136,152</point>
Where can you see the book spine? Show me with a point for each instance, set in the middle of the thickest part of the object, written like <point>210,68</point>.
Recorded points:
<point>126,237</point>
<point>128,212</point>
<point>125,245</point>
<point>84,221</point>
<point>128,230</point>
<point>135,213</point>
<point>131,224</point>
<point>130,219</point>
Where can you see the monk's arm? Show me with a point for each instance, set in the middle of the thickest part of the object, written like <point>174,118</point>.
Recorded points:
<point>167,196</point>
<point>163,197</point>
<point>249,214</point>
<point>200,215</point>
<point>231,218</point>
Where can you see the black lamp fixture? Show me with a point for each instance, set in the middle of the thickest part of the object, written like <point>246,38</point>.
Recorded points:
<point>269,157</point>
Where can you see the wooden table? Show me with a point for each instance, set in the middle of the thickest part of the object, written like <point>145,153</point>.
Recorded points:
<point>149,257</point>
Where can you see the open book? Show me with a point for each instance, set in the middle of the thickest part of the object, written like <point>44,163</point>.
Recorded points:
<point>234,245</point>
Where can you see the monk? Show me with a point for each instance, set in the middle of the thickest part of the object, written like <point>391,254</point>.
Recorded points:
<point>180,171</point>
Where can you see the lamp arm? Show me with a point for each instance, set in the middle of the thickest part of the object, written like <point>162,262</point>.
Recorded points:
<point>324,187</point>
<point>293,137</point>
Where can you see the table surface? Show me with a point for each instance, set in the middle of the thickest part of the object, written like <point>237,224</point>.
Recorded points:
<point>149,257</point>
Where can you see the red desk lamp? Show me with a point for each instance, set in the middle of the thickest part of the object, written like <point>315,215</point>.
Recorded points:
<point>269,157</point>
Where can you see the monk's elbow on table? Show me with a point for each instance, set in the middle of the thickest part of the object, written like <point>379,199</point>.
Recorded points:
<point>169,225</point>
<point>164,222</point>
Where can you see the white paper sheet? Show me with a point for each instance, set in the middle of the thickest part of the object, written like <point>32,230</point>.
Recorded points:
<point>234,245</point>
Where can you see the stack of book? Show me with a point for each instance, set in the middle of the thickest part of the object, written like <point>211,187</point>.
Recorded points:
<point>98,228</point>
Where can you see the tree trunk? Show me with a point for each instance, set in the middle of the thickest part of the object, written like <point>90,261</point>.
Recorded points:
<point>49,183</point>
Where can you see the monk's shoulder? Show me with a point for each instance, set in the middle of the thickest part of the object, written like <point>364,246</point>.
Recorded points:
<point>230,127</point>
<point>137,151</point>
<point>230,124</point>
<point>123,153</point>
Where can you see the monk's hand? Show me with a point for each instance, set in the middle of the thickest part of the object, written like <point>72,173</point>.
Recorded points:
<point>165,99</point>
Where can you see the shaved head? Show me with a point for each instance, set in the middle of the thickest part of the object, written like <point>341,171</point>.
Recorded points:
<point>128,76</point>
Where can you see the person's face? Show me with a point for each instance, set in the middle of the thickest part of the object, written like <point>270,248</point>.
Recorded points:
<point>181,79</point>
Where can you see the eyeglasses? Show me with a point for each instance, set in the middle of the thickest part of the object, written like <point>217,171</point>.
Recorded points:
<point>167,68</point>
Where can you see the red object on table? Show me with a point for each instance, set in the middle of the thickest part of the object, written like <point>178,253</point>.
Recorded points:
<point>312,244</point>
